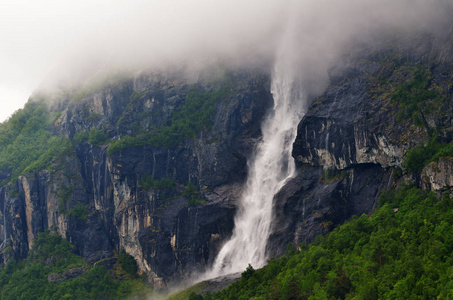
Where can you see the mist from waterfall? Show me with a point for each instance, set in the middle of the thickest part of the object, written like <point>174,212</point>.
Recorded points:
<point>268,169</point>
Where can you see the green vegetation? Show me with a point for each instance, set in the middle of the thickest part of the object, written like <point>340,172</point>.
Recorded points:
<point>195,115</point>
<point>80,137</point>
<point>418,158</point>
<point>97,137</point>
<point>64,194</point>
<point>52,254</point>
<point>26,142</point>
<point>193,194</point>
<point>93,117</point>
<point>416,97</point>
<point>403,251</point>
<point>126,142</point>
<point>134,101</point>
<point>79,212</point>
<point>147,182</point>
<point>128,263</point>
<point>331,175</point>
<point>52,249</point>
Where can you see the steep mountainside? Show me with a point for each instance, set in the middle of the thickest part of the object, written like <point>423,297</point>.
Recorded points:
<point>352,143</point>
<point>153,166</point>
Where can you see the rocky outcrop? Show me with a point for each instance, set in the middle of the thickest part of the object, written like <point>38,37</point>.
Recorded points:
<point>66,275</point>
<point>438,176</point>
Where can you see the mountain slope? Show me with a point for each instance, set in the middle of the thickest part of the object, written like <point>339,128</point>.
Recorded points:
<point>153,164</point>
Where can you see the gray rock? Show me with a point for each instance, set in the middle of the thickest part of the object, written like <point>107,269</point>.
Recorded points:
<point>438,176</point>
<point>66,275</point>
<point>350,140</point>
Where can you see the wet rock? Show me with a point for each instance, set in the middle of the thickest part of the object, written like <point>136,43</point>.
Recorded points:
<point>311,204</point>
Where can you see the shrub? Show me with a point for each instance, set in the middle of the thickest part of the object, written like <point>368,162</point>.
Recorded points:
<point>414,98</point>
<point>418,158</point>
<point>126,142</point>
<point>79,212</point>
<point>192,194</point>
<point>80,137</point>
<point>97,137</point>
<point>93,117</point>
<point>194,296</point>
<point>128,262</point>
<point>147,182</point>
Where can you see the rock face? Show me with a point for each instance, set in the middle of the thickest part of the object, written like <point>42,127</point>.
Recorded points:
<point>66,275</point>
<point>100,203</point>
<point>438,176</point>
<point>355,135</point>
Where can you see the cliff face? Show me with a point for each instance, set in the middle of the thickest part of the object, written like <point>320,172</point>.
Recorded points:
<point>168,206</point>
<point>352,142</point>
<point>157,161</point>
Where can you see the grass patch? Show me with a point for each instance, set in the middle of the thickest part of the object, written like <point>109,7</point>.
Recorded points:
<point>193,195</point>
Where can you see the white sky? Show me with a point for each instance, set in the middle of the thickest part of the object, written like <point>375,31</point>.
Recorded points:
<point>36,34</point>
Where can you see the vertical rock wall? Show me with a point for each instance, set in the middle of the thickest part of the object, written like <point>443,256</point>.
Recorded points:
<point>97,201</point>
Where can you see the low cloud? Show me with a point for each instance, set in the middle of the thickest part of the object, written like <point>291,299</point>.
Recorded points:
<point>51,43</point>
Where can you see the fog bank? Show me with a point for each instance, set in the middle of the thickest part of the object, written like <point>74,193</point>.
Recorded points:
<point>49,43</point>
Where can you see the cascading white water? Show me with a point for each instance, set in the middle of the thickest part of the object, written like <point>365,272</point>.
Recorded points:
<point>269,169</point>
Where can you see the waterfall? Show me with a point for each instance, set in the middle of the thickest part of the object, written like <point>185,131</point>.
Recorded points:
<point>269,168</point>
